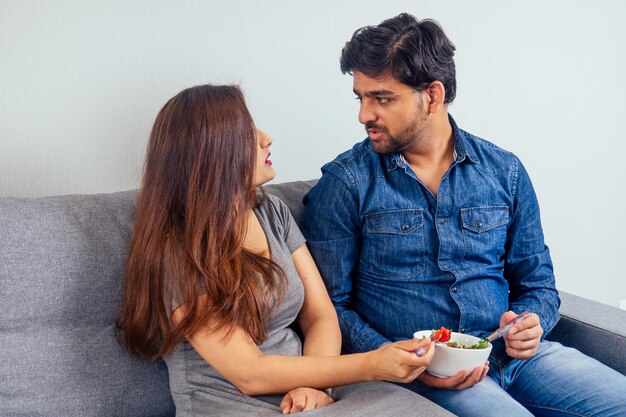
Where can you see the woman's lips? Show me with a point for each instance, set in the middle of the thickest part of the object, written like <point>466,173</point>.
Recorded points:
<point>267,160</point>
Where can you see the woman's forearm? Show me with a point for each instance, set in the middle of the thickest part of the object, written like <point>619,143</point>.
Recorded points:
<point>234,354</point>
<point>395,362</point>
<point>273,374</point>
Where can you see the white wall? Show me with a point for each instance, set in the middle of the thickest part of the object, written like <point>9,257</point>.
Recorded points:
<point>81,83</point>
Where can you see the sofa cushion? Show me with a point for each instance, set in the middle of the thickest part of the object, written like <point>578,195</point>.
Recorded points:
<point>61,262</point>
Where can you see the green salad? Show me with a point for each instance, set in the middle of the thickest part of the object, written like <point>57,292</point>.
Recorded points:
<point>482,344</point>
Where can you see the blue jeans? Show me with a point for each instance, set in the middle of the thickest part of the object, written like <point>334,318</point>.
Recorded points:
<point>557,381</point>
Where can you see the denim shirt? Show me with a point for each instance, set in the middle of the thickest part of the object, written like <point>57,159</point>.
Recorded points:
<point>396,259</point>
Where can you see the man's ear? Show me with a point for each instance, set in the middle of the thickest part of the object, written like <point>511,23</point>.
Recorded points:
<point>436,96</point>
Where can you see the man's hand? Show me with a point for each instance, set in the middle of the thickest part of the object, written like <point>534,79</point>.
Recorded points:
<point>523,339</point>
<point>304,399</point>
<point>456,382</point>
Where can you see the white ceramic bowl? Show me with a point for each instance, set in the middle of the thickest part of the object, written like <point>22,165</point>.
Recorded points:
<point>448,361</point>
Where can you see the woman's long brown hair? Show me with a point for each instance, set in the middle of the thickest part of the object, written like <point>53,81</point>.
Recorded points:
<point>190,225</point>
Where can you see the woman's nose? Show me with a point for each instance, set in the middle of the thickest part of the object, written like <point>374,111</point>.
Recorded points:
<point>265,140</point>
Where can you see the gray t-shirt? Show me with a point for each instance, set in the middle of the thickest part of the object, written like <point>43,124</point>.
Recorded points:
<point>196,387</point>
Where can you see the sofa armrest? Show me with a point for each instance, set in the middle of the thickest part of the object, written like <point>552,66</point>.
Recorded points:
<point>596,329</point>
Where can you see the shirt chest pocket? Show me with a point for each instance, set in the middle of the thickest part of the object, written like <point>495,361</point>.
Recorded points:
<point>393,244</point>
<point>484,234</point>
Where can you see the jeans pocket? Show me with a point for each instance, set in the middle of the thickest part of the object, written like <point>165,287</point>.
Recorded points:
<point>484,234</point>
<point>393,244</point>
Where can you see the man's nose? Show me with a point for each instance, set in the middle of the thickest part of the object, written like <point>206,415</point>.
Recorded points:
<point>366,114</point>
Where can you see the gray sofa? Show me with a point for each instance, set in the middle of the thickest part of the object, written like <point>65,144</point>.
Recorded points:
<point>61,260</point>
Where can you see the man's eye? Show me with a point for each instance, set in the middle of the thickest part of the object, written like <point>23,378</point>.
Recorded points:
<point>383,100</point>
<point>359,99</point>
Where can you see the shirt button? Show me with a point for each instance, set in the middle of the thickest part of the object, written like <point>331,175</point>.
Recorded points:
<point>445,266</point>
<point>462,331</point>
<point>455,289</point>
<point>405,227</point>
<point>479,225</point>
<point>441,221</point>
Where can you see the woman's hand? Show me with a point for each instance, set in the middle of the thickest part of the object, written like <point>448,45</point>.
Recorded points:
<point>398,362</point>
<point>304,399</point>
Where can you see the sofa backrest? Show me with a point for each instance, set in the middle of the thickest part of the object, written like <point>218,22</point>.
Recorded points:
<point>61,262</point>
<point>292,194</point>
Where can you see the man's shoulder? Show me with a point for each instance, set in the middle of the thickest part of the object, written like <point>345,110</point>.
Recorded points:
<point>359,159</point>
<point>359,151</point>
<point>489,155</point>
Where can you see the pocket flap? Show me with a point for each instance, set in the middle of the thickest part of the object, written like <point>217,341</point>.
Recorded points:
<point>401,222</point>
<point>482,219</point>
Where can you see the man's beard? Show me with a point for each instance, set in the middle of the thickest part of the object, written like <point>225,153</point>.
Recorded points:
<point>393,144</point>
<point>410,134</point>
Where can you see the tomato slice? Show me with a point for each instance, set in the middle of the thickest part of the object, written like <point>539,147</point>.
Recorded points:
<point>442,335</point>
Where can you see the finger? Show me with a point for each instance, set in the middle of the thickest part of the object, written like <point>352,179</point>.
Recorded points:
<point>285,404</point>
<point>413,375</point>
<point>520,353</point>
<point>523,344</point>
<point>507,317</point>
<point>533,333</point>
<point>311,404</point>
<point>428,356</point>
<point>529,322</point>
<point>295,408</point>
<point>472,379</point>
<point>516,350</point>
<point>299,402</point>
<point>485,371</point>
<point>447,383</point>
<point>410,345</point>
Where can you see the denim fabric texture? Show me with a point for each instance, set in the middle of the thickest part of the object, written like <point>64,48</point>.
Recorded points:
<point>396,259</point>
<point>557,382</point>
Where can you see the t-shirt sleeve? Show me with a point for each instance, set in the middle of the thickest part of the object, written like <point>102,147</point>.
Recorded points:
<point>291,232</point>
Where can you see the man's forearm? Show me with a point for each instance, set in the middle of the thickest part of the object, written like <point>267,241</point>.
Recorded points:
<point>534,289</point>
<point>357,335</point>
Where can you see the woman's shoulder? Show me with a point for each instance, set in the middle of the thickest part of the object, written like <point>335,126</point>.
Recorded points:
<point>272,206</point>
<point>275,214</point>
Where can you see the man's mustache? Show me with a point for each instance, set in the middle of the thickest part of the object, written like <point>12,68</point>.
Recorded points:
<point>372,125</point>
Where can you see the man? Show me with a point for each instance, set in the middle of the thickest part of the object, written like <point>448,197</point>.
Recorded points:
<point>423,224</point>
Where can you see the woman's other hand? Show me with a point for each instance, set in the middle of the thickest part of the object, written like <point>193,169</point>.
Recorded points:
<point>304,399</point>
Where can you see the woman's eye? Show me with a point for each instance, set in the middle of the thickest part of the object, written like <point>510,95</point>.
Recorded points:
<point>383,100</point>
<point>359,99</point>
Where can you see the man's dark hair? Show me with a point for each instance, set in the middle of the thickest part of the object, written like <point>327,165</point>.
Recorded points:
<point>415,52</point>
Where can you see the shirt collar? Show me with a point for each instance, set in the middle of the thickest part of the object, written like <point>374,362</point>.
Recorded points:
<point>461,150</point>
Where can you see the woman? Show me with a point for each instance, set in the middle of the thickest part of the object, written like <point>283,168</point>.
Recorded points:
<point>217,272</point>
